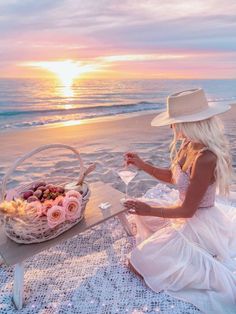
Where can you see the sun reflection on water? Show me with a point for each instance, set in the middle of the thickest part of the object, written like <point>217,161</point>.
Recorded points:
<point>72,122</point>
<point>67,91</point>
<point>67,106</point>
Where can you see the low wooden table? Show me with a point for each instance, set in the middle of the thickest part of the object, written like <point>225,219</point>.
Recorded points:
<point>15,254</point>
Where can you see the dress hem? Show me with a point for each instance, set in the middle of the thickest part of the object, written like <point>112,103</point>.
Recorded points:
<point>164,290</point>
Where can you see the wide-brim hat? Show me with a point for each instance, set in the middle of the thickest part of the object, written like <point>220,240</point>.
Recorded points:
<point>188,106</point>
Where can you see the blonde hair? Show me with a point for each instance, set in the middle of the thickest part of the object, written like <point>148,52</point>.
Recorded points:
<point>210,133</point>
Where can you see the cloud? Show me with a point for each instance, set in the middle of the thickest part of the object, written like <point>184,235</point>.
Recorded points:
<point>144,57</point>
<point>13,8</point>
<point>126,30</point>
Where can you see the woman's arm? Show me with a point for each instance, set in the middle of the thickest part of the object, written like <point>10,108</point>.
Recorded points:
<point>163,174</point>
<point>202,174</point>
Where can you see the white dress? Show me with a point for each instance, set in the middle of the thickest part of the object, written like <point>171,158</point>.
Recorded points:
<point>192,259</point>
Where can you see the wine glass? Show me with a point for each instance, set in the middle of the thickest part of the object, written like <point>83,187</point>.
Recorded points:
<point>127,175</point>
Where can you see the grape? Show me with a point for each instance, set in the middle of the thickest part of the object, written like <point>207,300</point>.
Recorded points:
<point>61,190</point>
<point>38,193</point>
<point>53,196</point>
<point>49,186</point>
<point>38,184</point>
<point>32,199</point>
<point>46,193</point>
<point>41,188</point>
<point>27,194</point>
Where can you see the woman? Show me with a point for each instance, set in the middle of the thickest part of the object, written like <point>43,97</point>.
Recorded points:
<point>187,244</point>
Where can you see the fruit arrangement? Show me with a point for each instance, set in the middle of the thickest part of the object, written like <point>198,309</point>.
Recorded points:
<point>42,199</point>
<point>41,191</point>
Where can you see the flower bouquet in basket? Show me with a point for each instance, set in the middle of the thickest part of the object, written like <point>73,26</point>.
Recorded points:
<point>40,211</point>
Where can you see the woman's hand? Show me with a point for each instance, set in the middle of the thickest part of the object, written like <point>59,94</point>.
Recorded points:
<point>134,159</point>
<point>137,207</point>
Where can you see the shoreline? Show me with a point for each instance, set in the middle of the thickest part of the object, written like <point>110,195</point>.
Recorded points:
<point>106,118</point>
<point>97,130</point>
<point>69,123</point>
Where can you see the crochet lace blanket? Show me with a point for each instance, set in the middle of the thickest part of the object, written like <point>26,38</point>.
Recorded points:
<point>85,275</point>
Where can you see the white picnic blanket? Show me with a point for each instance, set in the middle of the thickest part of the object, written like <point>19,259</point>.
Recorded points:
<point>87,274</point>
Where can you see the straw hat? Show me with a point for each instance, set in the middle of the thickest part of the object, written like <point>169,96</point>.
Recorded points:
<point>188,106</point>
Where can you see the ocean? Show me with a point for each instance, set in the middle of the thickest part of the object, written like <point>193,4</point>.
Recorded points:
<point>26,103</point>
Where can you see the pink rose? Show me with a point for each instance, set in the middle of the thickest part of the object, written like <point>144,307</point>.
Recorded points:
<point>35,205</point>
<point>59,200</point>
<point>74,193</point>
<point>72,207</point>
<point>46,205</point>
<point>55,216</point>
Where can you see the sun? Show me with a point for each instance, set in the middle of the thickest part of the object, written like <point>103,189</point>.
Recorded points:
<point>66,71</point>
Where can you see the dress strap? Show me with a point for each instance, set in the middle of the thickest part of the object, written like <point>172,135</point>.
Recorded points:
<point>203,150</point>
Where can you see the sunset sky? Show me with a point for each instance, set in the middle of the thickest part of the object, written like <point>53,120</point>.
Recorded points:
<point>118,39</point>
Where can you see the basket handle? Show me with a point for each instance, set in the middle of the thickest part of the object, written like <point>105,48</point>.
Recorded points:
<point>33,152</point>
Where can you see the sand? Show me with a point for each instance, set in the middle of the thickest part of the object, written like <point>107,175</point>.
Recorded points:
<point>103,142</point>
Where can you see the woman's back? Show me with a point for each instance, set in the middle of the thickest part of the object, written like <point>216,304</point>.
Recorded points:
<point>182,179</point>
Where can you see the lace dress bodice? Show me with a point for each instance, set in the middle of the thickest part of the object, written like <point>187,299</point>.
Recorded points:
<point>182,182</point>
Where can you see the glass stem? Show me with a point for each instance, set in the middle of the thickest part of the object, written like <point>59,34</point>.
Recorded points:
<point>126,191</point>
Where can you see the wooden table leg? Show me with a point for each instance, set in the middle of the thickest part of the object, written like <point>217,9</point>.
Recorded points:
<point>125,223</point>
<point>18,287</point>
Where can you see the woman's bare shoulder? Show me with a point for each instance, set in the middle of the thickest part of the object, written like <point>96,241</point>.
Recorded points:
<point>205,163</point>
<point>206,157</point>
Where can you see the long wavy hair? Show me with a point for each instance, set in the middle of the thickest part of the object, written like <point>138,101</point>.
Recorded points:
<point>210,133</point>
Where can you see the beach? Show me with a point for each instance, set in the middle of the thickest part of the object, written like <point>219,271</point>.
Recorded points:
<point>103,141</point>
<point>80,83</point>
<point>89,273</point>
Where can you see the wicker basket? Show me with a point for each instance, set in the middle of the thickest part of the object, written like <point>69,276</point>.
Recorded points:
<point>30,228</point>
